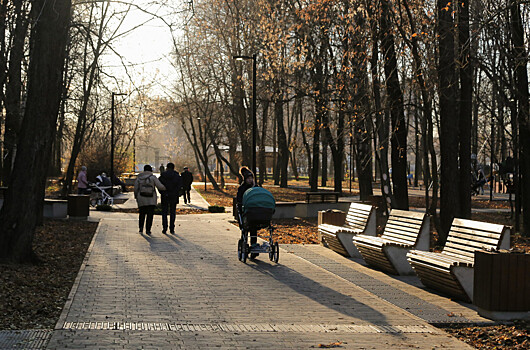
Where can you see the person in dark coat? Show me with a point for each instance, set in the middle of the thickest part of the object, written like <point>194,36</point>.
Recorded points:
<point>170,197</point>
<point>187,180</point>
<point>248,182</point>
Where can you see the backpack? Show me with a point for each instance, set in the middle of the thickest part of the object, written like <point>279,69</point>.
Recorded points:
<point>147,188</point>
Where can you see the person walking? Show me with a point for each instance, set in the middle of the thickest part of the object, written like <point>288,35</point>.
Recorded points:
<point>187,180</point>
<point>248,182</point>
<point>145,194</point>
<point>82,182</point>
<point>170,197</point>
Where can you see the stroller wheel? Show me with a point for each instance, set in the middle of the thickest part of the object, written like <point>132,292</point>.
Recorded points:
<point>239,249</point>
<point>244,252</point>
<point>276,250</point>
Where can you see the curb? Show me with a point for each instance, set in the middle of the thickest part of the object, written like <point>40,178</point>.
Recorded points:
<point>73,291</point>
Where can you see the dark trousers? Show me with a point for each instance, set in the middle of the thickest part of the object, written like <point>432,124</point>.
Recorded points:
<point>82,191</point>
<point>169,205</point>
<point>146,211</point>
<point>187,195</point>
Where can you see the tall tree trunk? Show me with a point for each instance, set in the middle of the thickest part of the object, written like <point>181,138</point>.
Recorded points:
<point>381,122</point>
<point>262,153</point>
<point>240,116</point>
<point>522,95</point>
<point>395,97</point>
<point>18,218</point>
<point>313,178</point>
<point>418,167</point>
<point>449,193</point>
<point>304,138</point>
<point>3,74</point>
<point>13,91</point>
<point>364,158</point>
<point>324,164</point>
<point>283,148</point>
<point>465,110</point>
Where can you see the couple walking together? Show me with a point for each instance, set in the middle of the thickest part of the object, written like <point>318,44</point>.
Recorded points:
<point>170,185</point>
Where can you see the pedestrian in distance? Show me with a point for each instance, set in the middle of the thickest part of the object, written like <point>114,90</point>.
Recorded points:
<point>103,181</point>
<point>187,180</point>
<point>162,169</point>
<point>170,197</point>
<point>145,194</point>
<point>82,182</point>
<point>248,182</point>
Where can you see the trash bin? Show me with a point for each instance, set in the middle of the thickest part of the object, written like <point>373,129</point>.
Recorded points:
<point>78,206</point>
<point>502,285</point>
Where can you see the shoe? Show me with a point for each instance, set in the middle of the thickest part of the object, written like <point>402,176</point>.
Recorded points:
<point>164,231</point>
<point>172,232</point>
<point>148,233</point>
<point>141,230</point>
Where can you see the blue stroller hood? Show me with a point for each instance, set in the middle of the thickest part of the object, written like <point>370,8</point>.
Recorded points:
<point>258,197</point>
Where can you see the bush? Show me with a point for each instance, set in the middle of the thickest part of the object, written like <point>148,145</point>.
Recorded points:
<point>216,209</point>
<point>103,207</point>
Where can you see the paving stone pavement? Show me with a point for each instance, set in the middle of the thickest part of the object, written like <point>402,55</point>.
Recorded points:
<point>126,201</point>
<point>189,291</point>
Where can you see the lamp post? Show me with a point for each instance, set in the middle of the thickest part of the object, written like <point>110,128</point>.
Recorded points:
<point>112,142</point>
<point>254,120</point>
<point>206,162</point>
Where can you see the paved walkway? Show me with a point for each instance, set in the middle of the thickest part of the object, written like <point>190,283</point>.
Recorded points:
<point>189,291</point>
<point>126,201</point>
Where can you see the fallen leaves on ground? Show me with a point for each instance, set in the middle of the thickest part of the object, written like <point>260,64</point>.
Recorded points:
<point>291,231</point>
<point>510,336</point>
<point>225,197</point>
<point>33,296</point>
<point>337,344</point>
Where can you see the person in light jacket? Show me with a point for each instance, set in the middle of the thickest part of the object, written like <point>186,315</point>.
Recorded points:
<point>145,194</point>
<point>82,182</point>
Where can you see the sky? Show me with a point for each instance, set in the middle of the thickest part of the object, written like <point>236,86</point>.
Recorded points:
<point>147,49</point>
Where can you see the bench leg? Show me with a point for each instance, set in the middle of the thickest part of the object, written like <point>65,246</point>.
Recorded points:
<point>398,258</point>
<point>347,242</point>
<point>465,276</point>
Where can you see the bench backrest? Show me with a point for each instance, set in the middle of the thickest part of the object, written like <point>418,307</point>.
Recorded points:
<point>407,227</point>
<point>361,217</point>
<point>466,236</point>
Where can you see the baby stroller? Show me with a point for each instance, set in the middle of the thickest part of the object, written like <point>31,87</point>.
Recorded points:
<point>255,214</point>
<point>99,196</point>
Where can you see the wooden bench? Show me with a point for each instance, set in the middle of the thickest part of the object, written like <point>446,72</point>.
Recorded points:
<point>360,219</point>
<point>322,197</point>
<point>404,230</point>
<point>451,271</point>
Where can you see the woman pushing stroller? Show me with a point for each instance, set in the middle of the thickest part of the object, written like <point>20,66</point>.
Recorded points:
<point>255,206</point>
<point>248,182</point>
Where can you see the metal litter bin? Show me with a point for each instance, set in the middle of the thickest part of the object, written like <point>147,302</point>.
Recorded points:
<point>78,206</point>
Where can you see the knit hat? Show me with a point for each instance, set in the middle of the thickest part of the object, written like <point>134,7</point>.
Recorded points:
<point>245,172</point>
